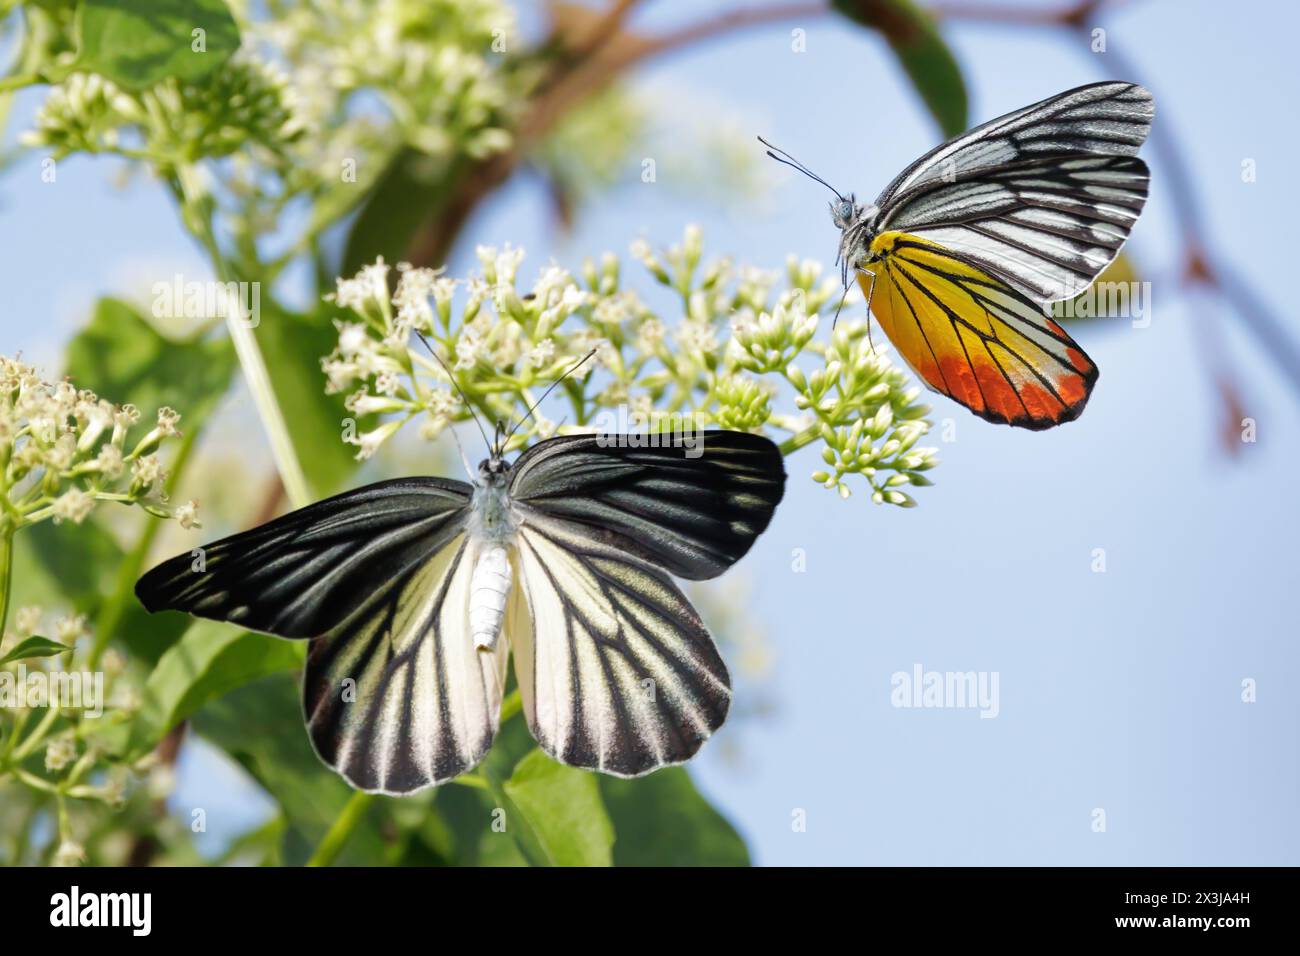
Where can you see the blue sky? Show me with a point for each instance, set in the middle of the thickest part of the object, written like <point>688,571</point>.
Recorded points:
<point>1118,690</point>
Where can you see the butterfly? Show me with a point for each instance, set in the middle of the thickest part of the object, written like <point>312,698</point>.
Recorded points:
<point>415,591</point>
<point>962,253</point>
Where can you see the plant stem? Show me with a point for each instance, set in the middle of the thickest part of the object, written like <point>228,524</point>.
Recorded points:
<point>277,431</point>
<point>33,740</point>
<point>340,830</point>
<point>6,574</point>
<point>110,614</point>
<point>199,221</point>
<point>18,82</point>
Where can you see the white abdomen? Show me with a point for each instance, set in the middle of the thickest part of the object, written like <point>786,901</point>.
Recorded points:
<point>489,586</point>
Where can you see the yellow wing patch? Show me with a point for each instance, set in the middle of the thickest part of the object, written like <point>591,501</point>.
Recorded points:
<point>974,338</point>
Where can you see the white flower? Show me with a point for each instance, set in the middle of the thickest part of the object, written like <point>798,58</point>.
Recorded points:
<point>27,621</point>
<point>60,752</point>
<point>353,339</point>
<point>469,349</point>
<point>68,629</point>
<point>542,354</point>
<point>69,853</point>
<point>187,514</point>
<point>167,419</point>
<point>146,473</point>
<point>60,455</point>
<point>370,441</point>
<point>73,505</point>
<point>109,461</point>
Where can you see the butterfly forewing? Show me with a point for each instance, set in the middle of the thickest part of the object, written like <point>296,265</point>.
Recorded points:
<point>1042,198</point>
<point>302,573</point>
<point>1110,119</point>
<point>692,504</point>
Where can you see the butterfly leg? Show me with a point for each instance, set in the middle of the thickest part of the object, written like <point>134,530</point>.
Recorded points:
<point>871,289</point>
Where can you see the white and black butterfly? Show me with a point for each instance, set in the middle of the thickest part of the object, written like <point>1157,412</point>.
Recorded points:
<point>413,591</point>
<point>976,238</point>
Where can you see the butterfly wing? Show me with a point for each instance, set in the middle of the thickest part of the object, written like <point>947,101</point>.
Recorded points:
<point>1042,198</point>
<point>396,697</point>
<point>302,573</point>
<point>403,699</point>
<point>616,670</point>
<point>692,505</point>
<point>974,338</point>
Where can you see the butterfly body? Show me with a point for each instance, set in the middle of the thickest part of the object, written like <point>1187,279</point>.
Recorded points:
<point>416,592</point>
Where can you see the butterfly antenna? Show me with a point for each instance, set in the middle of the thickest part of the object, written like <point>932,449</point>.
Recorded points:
<point>790,161</point>
<point>454,384</point>
<point>550,388</point>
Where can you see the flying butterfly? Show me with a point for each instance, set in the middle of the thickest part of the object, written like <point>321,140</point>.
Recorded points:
<point>963,252</point>
<point>414,592</point>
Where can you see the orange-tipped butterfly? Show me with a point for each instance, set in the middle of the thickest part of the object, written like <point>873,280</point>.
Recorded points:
<point>962,253</point>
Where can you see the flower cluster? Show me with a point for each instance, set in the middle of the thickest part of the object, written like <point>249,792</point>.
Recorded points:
<point>60,715</point>
<point>434,64</point>
<point>736,352</point>
<point>64,449</point>
<point>246,103</point>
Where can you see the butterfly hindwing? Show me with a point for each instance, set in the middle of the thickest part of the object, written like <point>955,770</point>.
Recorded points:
<point>398,697</point>
<point>974,338</point>
<point>616,670</point>
<point>691,505</point>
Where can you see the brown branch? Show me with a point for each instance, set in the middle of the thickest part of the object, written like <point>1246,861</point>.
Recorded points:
<point>570,84</point>
<point>1069,15</point>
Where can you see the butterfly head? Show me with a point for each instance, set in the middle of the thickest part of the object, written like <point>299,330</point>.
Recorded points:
<point>492,471</point>
<point>845,212</point>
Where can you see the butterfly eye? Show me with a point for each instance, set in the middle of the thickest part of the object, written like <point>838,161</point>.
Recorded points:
<point>844,211</point>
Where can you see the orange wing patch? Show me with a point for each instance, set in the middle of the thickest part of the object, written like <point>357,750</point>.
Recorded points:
<point>973,337</point>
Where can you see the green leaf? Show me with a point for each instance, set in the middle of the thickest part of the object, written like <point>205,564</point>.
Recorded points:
<point>123,358</point>
<point>564,810</point>
<point>82,558</point>
<point>293,346</point>
<point>408,194</point>
<point>925,57</point>
<point>462,831</point>
<point>137,43</point>
<point>149,636</point>
<point>33,647</point>
<point>662,820</point>
<point>261,727</point>
<point>210,660</point>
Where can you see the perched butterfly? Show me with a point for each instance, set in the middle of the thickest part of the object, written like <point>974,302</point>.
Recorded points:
<point>962,253</point>
<point>413,591</point>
